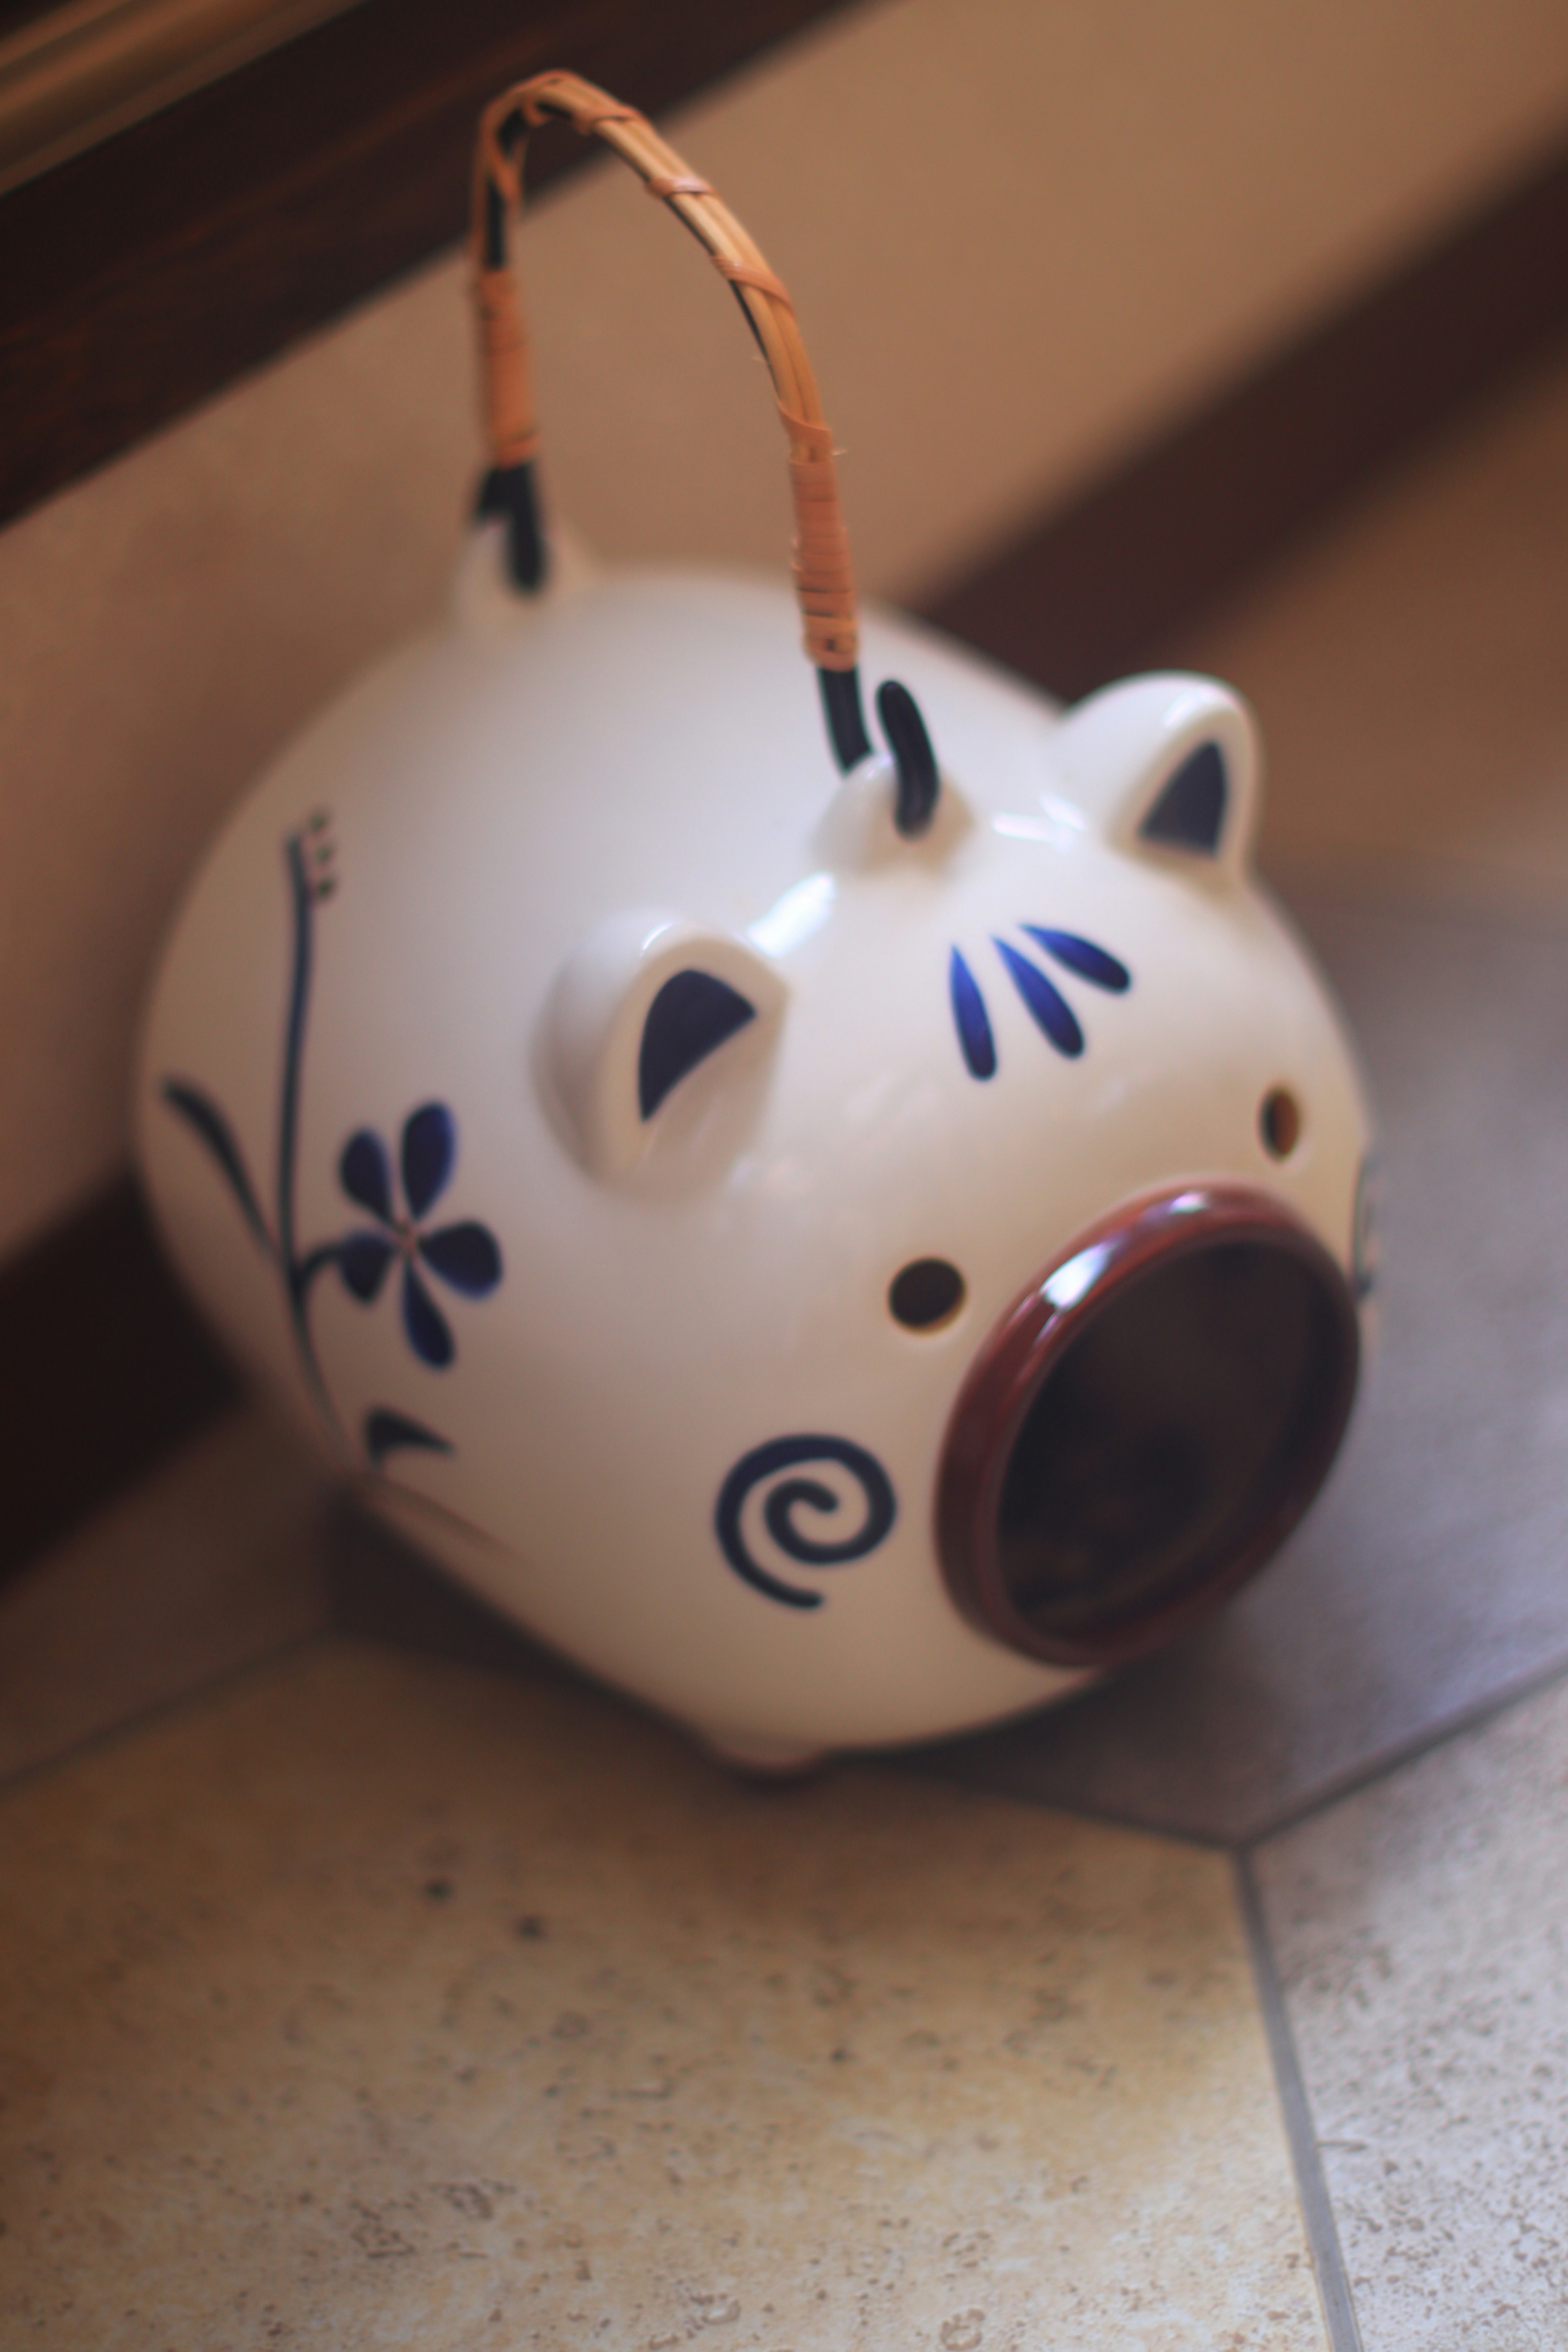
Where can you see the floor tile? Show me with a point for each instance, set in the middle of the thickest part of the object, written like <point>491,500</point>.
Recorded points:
<point>216,1559</point>
<point>382,2001</point>
<point>1431,1576</point>
<point>1421,1929</point>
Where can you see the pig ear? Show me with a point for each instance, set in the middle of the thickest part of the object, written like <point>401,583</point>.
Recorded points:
<point>649,1013</point>
<point>1168,767</point>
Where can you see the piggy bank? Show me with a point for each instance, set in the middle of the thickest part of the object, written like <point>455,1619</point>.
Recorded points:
<point>844,1242</point>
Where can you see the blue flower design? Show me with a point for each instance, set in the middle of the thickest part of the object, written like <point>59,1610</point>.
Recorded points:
<point>464,1256</point>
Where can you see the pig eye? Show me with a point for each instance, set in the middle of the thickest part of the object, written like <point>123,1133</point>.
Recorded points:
<point>1280,1123</point>
<point>926,1295</point>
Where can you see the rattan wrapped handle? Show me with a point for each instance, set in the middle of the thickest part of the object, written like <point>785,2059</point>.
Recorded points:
<point>823,581</point>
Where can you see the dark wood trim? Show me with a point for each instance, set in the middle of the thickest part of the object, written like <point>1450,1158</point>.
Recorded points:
<point>106,1365</point>
<point>106,1369</point>
<point>68,81</point>
<point>142,277</point>
<point>1086,593</point>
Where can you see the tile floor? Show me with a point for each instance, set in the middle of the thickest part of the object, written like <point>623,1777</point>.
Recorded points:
<point>445,2009</point>
<point>368,1980</point>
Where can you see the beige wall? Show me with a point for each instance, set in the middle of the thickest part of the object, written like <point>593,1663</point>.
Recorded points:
<point>1019,236</point>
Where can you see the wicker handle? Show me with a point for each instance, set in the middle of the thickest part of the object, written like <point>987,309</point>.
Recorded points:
<point>824,582</point>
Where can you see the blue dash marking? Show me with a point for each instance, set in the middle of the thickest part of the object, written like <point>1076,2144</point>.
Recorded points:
<point>1046,1005</point>
<point>970,1018</point>
<point>1083,957</point>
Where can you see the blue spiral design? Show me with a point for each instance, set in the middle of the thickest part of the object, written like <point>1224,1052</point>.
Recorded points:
<point>793,1494</point>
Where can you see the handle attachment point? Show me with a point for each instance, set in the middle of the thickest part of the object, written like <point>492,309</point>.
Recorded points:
<point>823,577</point>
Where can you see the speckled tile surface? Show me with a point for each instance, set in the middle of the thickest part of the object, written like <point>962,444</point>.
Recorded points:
<point>1421,1930</point>
<point>218,1557</point>
<point>380,2001</point>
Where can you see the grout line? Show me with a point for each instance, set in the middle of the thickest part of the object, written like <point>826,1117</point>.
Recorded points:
<point>1300,2130</point>
<point>920,1763</point>
<point>104,1735</point>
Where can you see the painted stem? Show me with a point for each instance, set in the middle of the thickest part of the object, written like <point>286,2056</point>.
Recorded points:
<point>298,1273</point>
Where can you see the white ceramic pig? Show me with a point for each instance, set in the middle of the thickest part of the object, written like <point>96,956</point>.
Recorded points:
<point>843,1275</point>
<point>576,1329</point>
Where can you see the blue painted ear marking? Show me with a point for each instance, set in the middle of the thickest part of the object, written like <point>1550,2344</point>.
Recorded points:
<point>1083,957</point>
<point>691,1018</point>
<point>1190,812</point>
<point>969,1015</point>
<point>1046,1005</point>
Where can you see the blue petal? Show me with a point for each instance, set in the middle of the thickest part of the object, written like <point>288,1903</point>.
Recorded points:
<point>429,1147</point>
<point>427,1327</point>
<point>1083,957</point>
<point>1049,1008</point>
<point>465,1256</point>
<point>363,1261</point>
<point>364,1175</point>
<point>968,1014</point>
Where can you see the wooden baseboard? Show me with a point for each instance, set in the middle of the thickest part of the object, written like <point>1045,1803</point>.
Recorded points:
<point>143,276</point>
<point>108,1368</point>
<point>1087,592</point>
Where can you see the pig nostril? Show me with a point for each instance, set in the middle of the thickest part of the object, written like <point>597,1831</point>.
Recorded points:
<point>1144,1426</point>
<point>1280,1123</point>
<point>926,1295</point>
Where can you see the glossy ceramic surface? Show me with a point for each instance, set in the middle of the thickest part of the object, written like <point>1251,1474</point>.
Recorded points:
<point>556,1067</point>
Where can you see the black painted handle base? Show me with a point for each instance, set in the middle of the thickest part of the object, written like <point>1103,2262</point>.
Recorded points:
<point>507,492</point>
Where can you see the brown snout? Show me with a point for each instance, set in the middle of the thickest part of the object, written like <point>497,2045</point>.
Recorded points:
<point>1145,1424</point>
